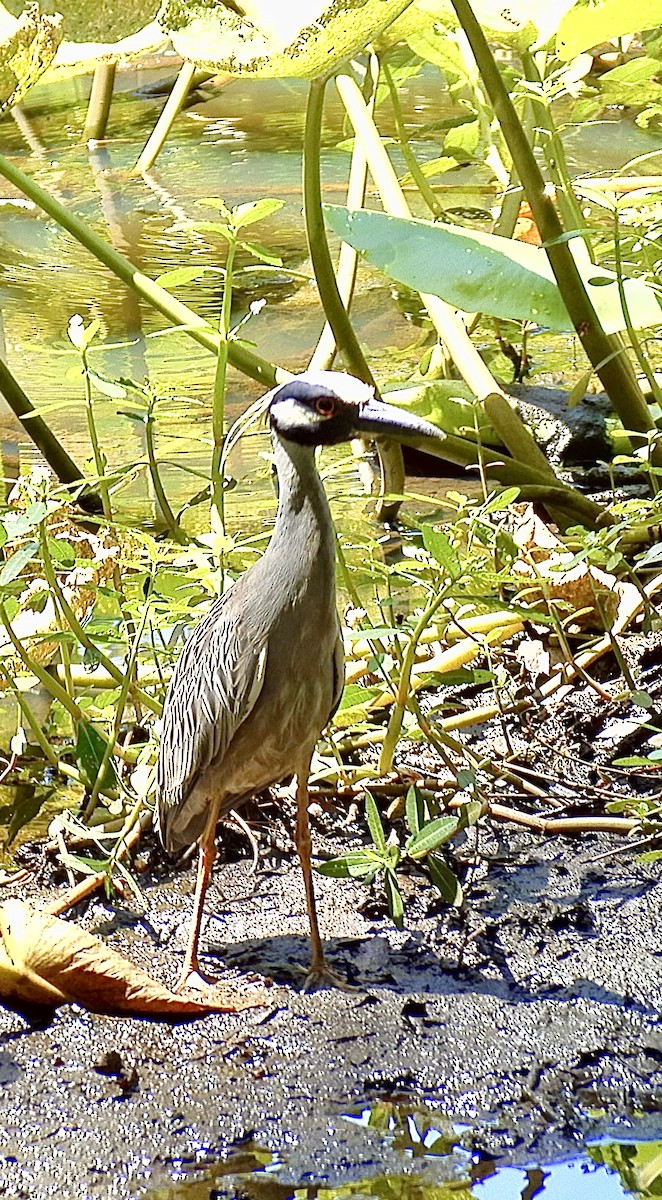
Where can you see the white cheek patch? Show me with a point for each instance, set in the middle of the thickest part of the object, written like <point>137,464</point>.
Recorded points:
<point>292,414</point>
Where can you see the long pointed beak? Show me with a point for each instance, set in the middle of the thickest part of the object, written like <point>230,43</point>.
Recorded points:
<point>385,420</point>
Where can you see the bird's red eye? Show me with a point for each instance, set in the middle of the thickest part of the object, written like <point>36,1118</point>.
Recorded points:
<point>325,406</point>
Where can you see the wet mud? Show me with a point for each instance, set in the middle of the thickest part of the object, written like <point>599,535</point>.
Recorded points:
<point>532,1019</point>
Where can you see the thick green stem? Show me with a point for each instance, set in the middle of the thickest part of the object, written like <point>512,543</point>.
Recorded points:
<point>100,100</point>
<point>554,152</point>
<point>336,313</point>
<point>56,456</point>
<point>605,352</point>
<point>179,314</point>
<point>325,350</point>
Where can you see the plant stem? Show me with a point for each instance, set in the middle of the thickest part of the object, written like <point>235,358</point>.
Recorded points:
<point>336,313</point>
<point>435,206</point>
<point>325,350</point>
<point>404,685</point>
<point>220,377</point>
<point>56,690</point>
<point>554,151</point>
<point>174,528</point>
<point>606,353</point>
<point>171,108</point>
<point>97,454</point>
<point>100,100</point>
<point>44,439</point>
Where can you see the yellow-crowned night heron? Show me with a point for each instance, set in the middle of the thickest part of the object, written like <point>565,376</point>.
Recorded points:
<point>263,672</point>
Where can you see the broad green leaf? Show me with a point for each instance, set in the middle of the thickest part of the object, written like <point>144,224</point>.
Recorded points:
<point>358,864</point>
<point>61,552</point>
<point>450,405</point>
<point>264,255</point>
<point>480,272</point>
<point>107,387</point>
<point>256,210</point>
<point>90,749</point>
<point>432,835</point>
<point>26,803</point>
<point>27,47</point>
<point>437,544</point>
<point>394,899</point>
<point>416,810</point>
<point>375,823</point>
<point>302,39</point>
<point>582,28</point>
<point>445,880</point>
<point>634,82</point>
<point>14,565</point>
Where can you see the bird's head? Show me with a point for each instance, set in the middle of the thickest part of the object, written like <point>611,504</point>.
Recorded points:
<point>322,408</point>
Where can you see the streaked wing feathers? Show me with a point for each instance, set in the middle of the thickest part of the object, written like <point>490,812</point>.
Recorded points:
<point>214,687</point>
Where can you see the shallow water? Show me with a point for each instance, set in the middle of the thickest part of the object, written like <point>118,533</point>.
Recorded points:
<point>440,1161</point>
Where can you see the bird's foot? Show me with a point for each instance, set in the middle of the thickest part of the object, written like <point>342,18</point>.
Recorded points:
<point>320,975</point>
<point>192,979</point>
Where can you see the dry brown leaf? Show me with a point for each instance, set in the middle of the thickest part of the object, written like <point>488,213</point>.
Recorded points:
<point>45,960</point>
<point>592,595</point>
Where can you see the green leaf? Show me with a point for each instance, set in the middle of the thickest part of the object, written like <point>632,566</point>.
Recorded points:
<point>256,210</point>
<point>61,552</point>
<point>90,749</point>
<point>432,835</point>
<point>416,810</point>
<point>273,260</point>
<point>180,275</point>
<point>437,544</point>
<point>445,880</point>
<point>303,40</point>
<point>394,899</point>
<point>480,272</point>
<point>14,565</point>
<point>107,387</point>
<point>374,823</point>
<point>27,802</point>
<point>582,28</point>
<point>358,864</point>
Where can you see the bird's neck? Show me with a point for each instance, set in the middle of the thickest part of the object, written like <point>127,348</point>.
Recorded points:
<point>303,535</point>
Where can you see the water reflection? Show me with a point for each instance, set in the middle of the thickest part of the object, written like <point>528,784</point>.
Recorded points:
<point>440,1161</point>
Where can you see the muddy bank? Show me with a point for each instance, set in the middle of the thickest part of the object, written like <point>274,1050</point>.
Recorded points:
<point>541,1004</point>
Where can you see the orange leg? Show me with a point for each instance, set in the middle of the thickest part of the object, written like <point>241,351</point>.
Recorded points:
<point>320,973</point>
<point>191,975</point>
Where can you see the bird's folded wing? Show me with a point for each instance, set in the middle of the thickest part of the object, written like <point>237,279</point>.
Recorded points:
<point>215,686</point>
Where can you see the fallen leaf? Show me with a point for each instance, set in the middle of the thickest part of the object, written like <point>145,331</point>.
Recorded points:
<point>45,960</point>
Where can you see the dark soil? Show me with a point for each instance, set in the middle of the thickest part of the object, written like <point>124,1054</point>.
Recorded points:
<point>519,1016</point>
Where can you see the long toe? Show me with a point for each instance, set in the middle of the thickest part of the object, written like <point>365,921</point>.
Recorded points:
<point>194,980</point>
<point>320,976</point>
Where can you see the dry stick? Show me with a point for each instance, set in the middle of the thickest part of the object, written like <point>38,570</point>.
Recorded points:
<point>624,825</point>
